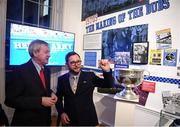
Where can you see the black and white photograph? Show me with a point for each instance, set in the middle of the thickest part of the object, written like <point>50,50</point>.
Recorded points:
<point>171,101</point>
<point>140,53</point>
<point>122,59</point>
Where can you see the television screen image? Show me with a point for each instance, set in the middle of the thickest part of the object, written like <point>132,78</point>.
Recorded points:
<point>60,43</point>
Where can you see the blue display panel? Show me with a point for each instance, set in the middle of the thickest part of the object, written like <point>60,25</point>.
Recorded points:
<point>90,59</point>
<point>21,35</point>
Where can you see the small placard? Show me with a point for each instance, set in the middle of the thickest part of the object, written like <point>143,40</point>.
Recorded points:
<point>90,59</point>
<point>92,41</point>
<point>148,86</point>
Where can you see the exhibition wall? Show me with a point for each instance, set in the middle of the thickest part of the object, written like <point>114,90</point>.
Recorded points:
<point>166,18</point>
<point>161,20</point>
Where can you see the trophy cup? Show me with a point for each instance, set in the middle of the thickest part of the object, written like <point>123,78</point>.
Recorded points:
<point>129,78</point>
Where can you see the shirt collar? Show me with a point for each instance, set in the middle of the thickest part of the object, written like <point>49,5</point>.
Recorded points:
<point>72,75</point>
<point>37,66</point>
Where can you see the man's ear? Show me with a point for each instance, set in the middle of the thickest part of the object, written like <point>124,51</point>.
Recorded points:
<point>35,54</point>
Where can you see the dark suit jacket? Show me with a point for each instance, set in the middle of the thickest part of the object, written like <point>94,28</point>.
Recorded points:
<point>24,93</point>
<point>79,106</point>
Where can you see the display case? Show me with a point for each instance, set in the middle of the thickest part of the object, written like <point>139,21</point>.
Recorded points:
<point>168,118</point>
<point>170,114</point>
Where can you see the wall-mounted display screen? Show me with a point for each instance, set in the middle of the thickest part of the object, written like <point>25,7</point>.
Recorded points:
<point>60,43</point>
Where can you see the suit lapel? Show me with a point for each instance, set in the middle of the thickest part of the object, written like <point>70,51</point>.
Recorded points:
<point>80,83</point>
<point>67,83</point>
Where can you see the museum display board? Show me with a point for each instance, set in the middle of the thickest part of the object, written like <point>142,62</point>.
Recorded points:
<point>142,37</point>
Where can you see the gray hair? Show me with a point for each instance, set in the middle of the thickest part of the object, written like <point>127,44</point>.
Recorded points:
<point>35,46</point>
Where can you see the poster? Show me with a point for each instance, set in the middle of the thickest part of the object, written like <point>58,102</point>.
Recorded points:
<point>90,58</point>
<point>143,95</point>
<point>170,57</point>
<point>122,59</point>
<point>155,57</point>
<point>103,7</point>
<point>163,39</point>
<point>92,41</point>
<point>121,40</point>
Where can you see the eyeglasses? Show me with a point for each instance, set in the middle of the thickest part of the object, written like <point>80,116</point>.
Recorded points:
<point>75,62</point>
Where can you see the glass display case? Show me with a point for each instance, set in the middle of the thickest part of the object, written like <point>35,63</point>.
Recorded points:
<point>170,114</point>
<point>169,118</point>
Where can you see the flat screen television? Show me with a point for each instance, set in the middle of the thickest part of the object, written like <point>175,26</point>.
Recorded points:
<point>60,43</point>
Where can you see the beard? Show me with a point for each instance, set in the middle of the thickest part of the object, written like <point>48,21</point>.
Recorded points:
<point>75,71</point>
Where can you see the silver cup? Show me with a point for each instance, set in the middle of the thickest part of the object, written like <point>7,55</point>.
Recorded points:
<point>129,78</point>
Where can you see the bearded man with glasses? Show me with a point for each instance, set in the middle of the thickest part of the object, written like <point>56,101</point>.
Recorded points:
<point>75,92</point>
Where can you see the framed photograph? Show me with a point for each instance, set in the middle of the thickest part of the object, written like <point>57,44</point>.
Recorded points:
<point>92,41</point>
<point>140,52</point>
